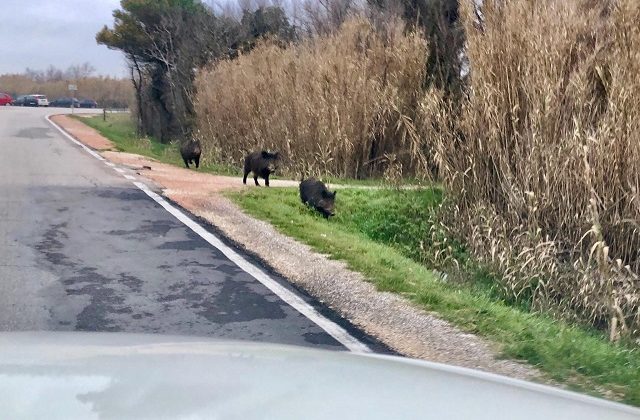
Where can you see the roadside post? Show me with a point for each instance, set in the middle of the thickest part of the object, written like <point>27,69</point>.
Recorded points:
<point>72,89</point>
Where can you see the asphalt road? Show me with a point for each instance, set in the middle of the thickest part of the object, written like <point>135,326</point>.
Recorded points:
<point>81,248</point>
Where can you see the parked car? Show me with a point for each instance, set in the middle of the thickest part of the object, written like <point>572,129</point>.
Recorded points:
<point>5,99</point>
<point>30,100</point>
<point>19,101</point>
<point>88,103</point>
<point>65,103</point>
<point>41,100</point>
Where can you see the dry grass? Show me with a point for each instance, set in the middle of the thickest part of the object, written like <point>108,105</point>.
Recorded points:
<point>545,156</point>
<point>340,105</point>
<point>106,91</point>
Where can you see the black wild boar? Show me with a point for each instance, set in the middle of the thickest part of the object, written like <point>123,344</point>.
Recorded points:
<point>262,164</point>
<point>190,151</point>
<point>315,194</point>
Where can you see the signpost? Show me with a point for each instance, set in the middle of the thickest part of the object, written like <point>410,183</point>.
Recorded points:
<point>73,89</point>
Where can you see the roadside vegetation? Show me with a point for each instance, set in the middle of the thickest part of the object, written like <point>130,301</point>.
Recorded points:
<point>537,148</point>
<point>543,158</point>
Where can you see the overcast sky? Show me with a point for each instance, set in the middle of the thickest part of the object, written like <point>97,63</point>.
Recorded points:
<point>37,33</point>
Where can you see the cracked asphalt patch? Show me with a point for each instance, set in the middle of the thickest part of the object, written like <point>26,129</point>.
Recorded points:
<point>112,279</point>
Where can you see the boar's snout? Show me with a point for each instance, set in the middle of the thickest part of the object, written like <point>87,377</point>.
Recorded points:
<point>327,204</point>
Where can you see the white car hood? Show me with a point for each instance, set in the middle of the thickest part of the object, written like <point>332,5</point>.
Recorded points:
<point>118,376</point>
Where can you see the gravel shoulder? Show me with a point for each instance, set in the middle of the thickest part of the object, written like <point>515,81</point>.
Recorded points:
<point>388,317</point>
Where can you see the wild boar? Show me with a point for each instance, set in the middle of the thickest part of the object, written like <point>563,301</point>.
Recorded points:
<point>315,194</point>
<point>262,164</point>
<point>190,151</point>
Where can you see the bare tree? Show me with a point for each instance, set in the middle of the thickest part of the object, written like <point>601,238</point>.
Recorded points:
<point>35,75</point>
<point>53,74</point>
<point>138,79</point>
<point>322,17</point>
<point>226,9</point>
<point>80,71</point>
<point>246,5</point>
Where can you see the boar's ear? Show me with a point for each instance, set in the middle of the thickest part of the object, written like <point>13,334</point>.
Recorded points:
<point>333,195</point>
<point>265,154</point>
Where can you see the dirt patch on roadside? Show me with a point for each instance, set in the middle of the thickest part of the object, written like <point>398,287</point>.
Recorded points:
<point>395,321</point>
<point>83,133</point>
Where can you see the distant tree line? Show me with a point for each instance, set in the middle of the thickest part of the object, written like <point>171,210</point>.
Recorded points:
<point>166,42</point>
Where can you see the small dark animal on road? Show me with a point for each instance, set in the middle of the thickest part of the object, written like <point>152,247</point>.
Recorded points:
<point>315,194</point>
<point>262,164</point>
<point>191,151</point>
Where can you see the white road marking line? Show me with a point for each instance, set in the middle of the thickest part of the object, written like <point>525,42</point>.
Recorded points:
<point>132,178</point>
<point>113,165</point>
<point>293,300</point>
<point>120,170</point>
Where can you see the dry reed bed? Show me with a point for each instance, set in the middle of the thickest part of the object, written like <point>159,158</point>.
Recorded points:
<point>541,158</point>
<point>545,156</point>
<point>337,105</point>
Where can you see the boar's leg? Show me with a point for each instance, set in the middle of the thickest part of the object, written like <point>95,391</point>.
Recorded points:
<point>244,180</point>
<point>255,179</point>
<point>197,159</point>
<point>186,162</point>
<point>266,180</point>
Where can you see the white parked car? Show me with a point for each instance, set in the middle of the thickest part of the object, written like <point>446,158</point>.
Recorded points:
<point>122,376</point>
<point>42,100</point>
